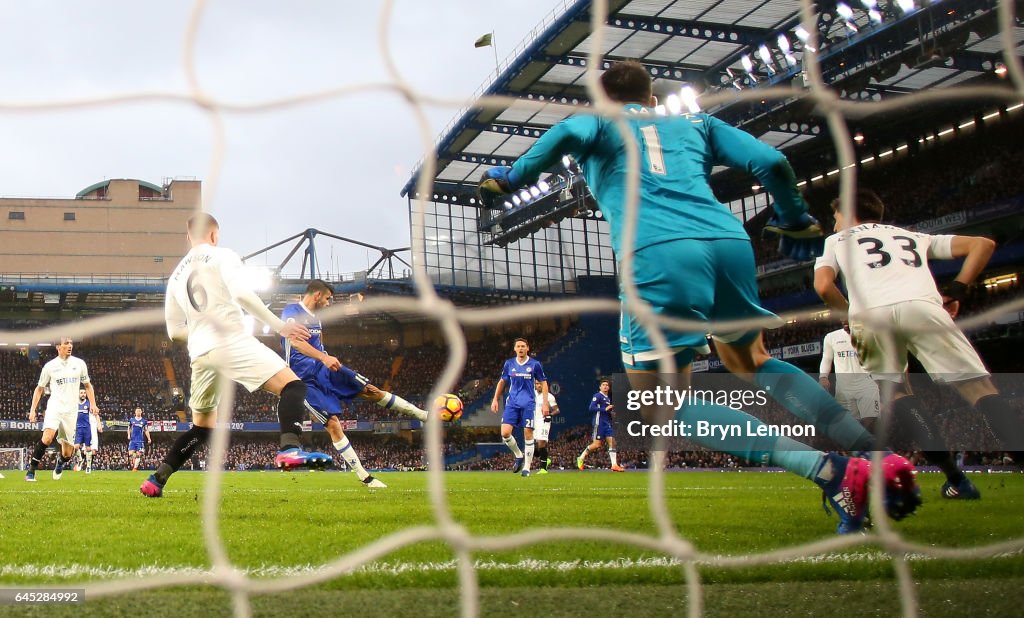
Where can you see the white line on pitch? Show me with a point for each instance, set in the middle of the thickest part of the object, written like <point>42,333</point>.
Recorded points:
<point>79,570</point>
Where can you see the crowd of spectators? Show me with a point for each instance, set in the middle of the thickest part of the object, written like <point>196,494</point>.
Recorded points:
<point>961,425</point>
<point>918,186</point>
<point>125,378</point>
<point>246,452</point>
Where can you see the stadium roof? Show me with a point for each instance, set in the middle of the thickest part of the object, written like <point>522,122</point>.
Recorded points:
<point>715,45</point>
<point>106,183</point>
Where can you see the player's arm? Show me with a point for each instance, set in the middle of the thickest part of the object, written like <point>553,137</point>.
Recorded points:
<point>825,286</point>
<point>545,407</point>
<point>976,251</point>
<point>826,360</point>
<point>826,269</point>
<point>738,149</point>
<point>231,272</point>
<point>174,318</point>
<point>149,438</point>
<point>254,306</point>
<point>90,394</point>
<point>800,235</point>
<point>304,348</point>
<point>37,395</point>
<point>497,391</point>
<point>571,136</point>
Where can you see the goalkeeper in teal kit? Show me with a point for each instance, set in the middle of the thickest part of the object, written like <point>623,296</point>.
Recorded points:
<point>693,260</point>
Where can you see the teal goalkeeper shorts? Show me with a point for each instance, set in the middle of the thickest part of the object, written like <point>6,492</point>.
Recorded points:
<point>705,280</point>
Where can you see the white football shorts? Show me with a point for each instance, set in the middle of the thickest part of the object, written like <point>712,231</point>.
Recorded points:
<point>245,361</point>
<point>541,430</point>
<point>64,423</point>
<point>862,403</point>
<point>921,328</point>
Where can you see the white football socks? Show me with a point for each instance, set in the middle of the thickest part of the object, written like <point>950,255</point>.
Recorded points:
<point>391,401</point>
<point>529,454</point>
<point>349,455</point>
<point>510,442</point>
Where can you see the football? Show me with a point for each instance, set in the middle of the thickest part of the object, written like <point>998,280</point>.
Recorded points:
<point>449,407</point>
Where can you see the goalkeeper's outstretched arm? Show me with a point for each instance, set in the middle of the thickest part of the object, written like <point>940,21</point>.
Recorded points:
<point>740,150</point>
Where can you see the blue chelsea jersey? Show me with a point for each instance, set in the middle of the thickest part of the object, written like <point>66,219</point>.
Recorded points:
<point>300,363</point>
<point>599,405</point>
<point>521,390</point>
<point>137,426</point>
<point>83,415</point>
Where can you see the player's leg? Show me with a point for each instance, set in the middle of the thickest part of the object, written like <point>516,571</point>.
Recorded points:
<point>65,440</point>
<point>998,413</point>
<point>203,403</point>
<point>81,442</point>
<point>541,432</point>
<point>868,404</point>
<point>528,445</point>
<point>594,445</point>
<point>843,480</point>
<point>949,357</point>
<point>511,418</point>
<point>253,365</point>
<point>743,353</point>
<point>883,353</point>
<point>613,453</point>
<point>94,445</point>
<point>386,400</point>
<point>50,423</point>
<point>348,453</point>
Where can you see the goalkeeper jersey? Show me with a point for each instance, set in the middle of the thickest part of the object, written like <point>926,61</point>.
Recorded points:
<point>677,154</point>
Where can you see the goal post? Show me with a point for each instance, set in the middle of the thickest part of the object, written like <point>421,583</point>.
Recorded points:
<point>13,458</point>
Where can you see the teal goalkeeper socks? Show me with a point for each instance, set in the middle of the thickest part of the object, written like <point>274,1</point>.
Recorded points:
<point>744,441</point>
<point>804,397</point>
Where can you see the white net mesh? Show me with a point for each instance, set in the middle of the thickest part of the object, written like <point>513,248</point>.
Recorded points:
<point>667,541</point>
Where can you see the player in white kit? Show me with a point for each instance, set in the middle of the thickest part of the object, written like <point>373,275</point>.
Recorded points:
<point>538,441</point>
<point>64,375</point>
<point>895,308</point>
<point>855,390</point>
<point>206,293</point>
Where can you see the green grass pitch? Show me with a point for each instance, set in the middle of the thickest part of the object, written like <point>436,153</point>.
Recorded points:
<point>98,526</point>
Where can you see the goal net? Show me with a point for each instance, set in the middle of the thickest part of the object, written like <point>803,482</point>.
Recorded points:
<point>13,458</point>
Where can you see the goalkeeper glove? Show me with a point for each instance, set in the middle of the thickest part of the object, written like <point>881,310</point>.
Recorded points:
<point>496,183</point>
<point>800,240</point>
